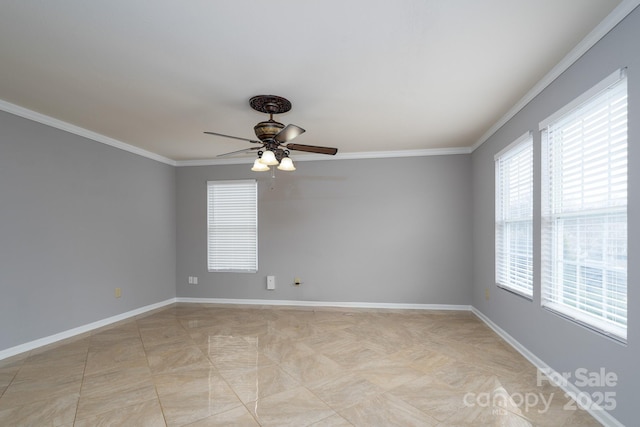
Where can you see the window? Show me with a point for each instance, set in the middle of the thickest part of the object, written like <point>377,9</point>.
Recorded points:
<point>584,209</point>
<point>514,215</point>
<point>232,220</point>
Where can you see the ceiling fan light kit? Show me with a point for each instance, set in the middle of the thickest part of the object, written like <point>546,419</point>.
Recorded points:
<point>286,164</point>
<point>274,136</point>
<point>258,166</point>
<point>269,158</point>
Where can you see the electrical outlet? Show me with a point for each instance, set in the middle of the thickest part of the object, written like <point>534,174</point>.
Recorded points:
<point>118,292</point>
<point>297,281</point>
<point>271,282</point>
<point>486,294</point>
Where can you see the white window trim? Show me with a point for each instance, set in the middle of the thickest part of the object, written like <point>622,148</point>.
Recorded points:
<point>524,142</point>
<point>247,247</point>
<point>549,249</point>
<point>610,80</point>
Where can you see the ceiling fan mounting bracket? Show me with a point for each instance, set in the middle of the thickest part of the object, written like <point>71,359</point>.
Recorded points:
<point>270,104</point>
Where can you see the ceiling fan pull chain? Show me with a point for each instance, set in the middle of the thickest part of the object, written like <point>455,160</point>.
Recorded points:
<point>272,181</point>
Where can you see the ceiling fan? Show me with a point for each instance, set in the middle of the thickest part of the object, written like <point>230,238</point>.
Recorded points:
<point>274,137</point>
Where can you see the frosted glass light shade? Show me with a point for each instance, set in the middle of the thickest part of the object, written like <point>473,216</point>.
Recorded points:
<point>269,158</point>
<point>258,166</point>
<point>286,164</point>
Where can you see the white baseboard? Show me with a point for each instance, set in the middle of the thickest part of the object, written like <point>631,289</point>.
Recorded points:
<point>12,351</point>
<point>298,303</point>
<point>599,414</point>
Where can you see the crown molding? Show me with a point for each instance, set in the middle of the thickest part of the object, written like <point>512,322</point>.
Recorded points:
<point>339,156</point>
<point>601,30</point>
<point>77,130</point>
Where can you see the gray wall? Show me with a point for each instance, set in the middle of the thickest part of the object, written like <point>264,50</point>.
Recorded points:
<point>78,219</point>
<point>378,230</point>
<point>560,343</point>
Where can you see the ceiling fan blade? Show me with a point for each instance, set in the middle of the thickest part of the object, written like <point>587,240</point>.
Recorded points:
<point>288,133</point>
<point>234,137</point>
<point>246,150</point>
<point>312,149</point>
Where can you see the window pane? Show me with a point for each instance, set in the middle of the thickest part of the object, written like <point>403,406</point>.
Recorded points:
<point>232,218</point>
<point>584,221</point>
<point>514,212</point>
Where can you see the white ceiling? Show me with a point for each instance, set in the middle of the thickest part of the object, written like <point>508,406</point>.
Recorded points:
<point>362,75</point>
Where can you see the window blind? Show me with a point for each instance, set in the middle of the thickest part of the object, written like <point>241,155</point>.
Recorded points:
<point>584,212</point>
<point>232,219</point>
<point>514,217</point>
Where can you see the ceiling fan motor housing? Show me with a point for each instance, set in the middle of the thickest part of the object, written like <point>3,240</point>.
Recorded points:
<point>267,130</point>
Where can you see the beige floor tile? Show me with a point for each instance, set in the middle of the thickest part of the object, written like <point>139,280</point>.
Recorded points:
<point>59,352</point>
<point>115,335</point>
<point>387,373</point>
<point>257,383</point>
<point>108,400</point>
<point>327,340</point>
<point>184,408</point>
<point>436,399</point>
<point>237,417</point>
<point>478,416</point>
<point>115,357</point>
<point>423,359</point>
<point>297,407</point>
<point>461,375</point>
<point>110,382</point>
<point>580,418</point>
<point>181,358</point>
<point>103,363</point>
<point>343,390</point>
<point>235,352</point>
<point>278,348</point>
<point>188,396</point>
<point>352,355</point>
<point>208,364</point>
<point>9,367</point>
<point>158,336</point>
<point>63,361</point>
<point>144,414</point>
<point>308,369</point>
<point>14,362</point>
<point>332,421</point>
<point>386,410</point>
<point>53,411</point>
<point>30,391</point>
<point>196,380</point>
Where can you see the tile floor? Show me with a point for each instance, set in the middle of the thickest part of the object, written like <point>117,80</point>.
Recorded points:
<point>200,365</point>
